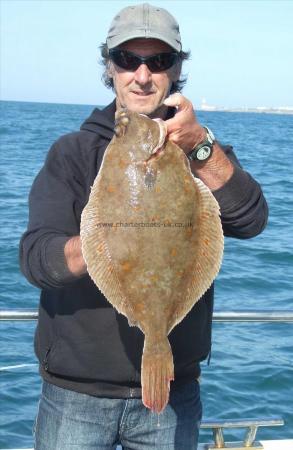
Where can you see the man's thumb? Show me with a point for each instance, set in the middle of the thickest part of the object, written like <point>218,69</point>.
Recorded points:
<point>173,100</point>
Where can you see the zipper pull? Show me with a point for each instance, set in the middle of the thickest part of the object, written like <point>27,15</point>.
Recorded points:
<point>45,360</point>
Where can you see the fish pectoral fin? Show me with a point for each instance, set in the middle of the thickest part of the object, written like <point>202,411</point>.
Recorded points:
<point>157,372</point>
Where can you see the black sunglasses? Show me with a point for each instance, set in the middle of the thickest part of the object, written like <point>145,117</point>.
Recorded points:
<point>155,63</point>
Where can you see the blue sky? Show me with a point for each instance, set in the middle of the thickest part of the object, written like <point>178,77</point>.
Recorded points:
<point>241,50</point>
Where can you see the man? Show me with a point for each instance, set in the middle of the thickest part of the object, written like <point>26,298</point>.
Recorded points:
<point>89,357</point>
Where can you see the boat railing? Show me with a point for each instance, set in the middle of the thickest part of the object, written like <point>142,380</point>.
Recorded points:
<point>250,425</point>
<point>217,426</point>
<point>218,316</point>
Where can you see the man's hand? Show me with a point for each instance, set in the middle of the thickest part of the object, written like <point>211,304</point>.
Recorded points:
<point>73,256</point>
<point>186,132</point>
<point>183,128</point>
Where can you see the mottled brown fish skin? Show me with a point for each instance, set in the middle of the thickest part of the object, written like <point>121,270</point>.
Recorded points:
<point>164,247</point>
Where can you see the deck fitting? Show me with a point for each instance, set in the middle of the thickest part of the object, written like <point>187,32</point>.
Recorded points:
<point>251,426</point>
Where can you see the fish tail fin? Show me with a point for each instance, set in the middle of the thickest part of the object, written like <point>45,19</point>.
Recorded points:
<point>157,372</point>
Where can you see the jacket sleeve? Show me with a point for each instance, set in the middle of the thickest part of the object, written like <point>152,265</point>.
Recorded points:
<point>244,210</point>
<point>54,217</point>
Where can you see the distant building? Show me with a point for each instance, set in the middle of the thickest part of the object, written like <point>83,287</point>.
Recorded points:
<point>205,107</point>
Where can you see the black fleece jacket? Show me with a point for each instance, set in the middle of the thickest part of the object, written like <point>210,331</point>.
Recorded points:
<point>81,341</point>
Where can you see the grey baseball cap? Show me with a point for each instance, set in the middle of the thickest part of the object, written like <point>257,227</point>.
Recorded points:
<point>144,21</point>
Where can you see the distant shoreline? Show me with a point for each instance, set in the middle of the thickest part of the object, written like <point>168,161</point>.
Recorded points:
<point>258,110</point>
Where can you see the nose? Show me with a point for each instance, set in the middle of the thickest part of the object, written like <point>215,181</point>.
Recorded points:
<point>143,75</point>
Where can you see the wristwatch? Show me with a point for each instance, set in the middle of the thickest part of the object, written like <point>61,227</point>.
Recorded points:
<point>204,150</point>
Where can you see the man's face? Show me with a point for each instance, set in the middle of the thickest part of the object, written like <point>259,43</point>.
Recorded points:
<point>141,90</point>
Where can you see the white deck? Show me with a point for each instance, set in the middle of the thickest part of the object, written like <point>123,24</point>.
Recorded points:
<point>285,444</point>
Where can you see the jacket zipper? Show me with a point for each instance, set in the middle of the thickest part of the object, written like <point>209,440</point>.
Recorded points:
<point>45,360</point>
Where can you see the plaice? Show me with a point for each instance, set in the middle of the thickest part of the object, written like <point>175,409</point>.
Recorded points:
<point>152,240</point>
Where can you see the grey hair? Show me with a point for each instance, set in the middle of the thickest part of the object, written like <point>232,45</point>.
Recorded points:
<point>176,86</point>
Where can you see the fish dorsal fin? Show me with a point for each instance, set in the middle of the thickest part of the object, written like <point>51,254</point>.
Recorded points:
<point>209,251</point>
<point>97,256</point>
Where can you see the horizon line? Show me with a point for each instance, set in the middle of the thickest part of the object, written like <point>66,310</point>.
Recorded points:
<point>282,110</point>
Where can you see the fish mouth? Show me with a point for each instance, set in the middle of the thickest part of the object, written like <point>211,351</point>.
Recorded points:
<point>155,154</point>
<point>162,137</point>
<point>158,150</point>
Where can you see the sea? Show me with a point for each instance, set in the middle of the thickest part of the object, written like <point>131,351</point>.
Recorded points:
<point>250,374</point>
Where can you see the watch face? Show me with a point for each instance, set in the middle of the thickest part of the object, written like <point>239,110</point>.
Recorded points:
<point>203,153</point>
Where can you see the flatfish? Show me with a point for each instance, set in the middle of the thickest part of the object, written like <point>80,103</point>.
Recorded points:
<point>152,240</point>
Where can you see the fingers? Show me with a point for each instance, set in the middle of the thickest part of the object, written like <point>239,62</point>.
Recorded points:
<point>182,129</point>
<point>178,101</point>
<point>184,114</point>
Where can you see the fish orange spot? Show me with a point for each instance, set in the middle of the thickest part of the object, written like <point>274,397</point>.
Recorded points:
<point>126,266</point>
<point>206,241</point>
<point>139,307</point>
<point>188,231</point>
<point>173,252</point>
<point>111,188</point>
<point>122,163</point>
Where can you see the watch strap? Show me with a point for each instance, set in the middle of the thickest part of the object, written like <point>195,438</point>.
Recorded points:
<point>203,151</point>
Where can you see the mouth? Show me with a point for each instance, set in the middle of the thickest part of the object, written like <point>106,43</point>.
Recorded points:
<point>142,94</point>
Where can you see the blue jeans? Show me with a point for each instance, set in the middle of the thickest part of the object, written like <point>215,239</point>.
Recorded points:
<point>69,420</point>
